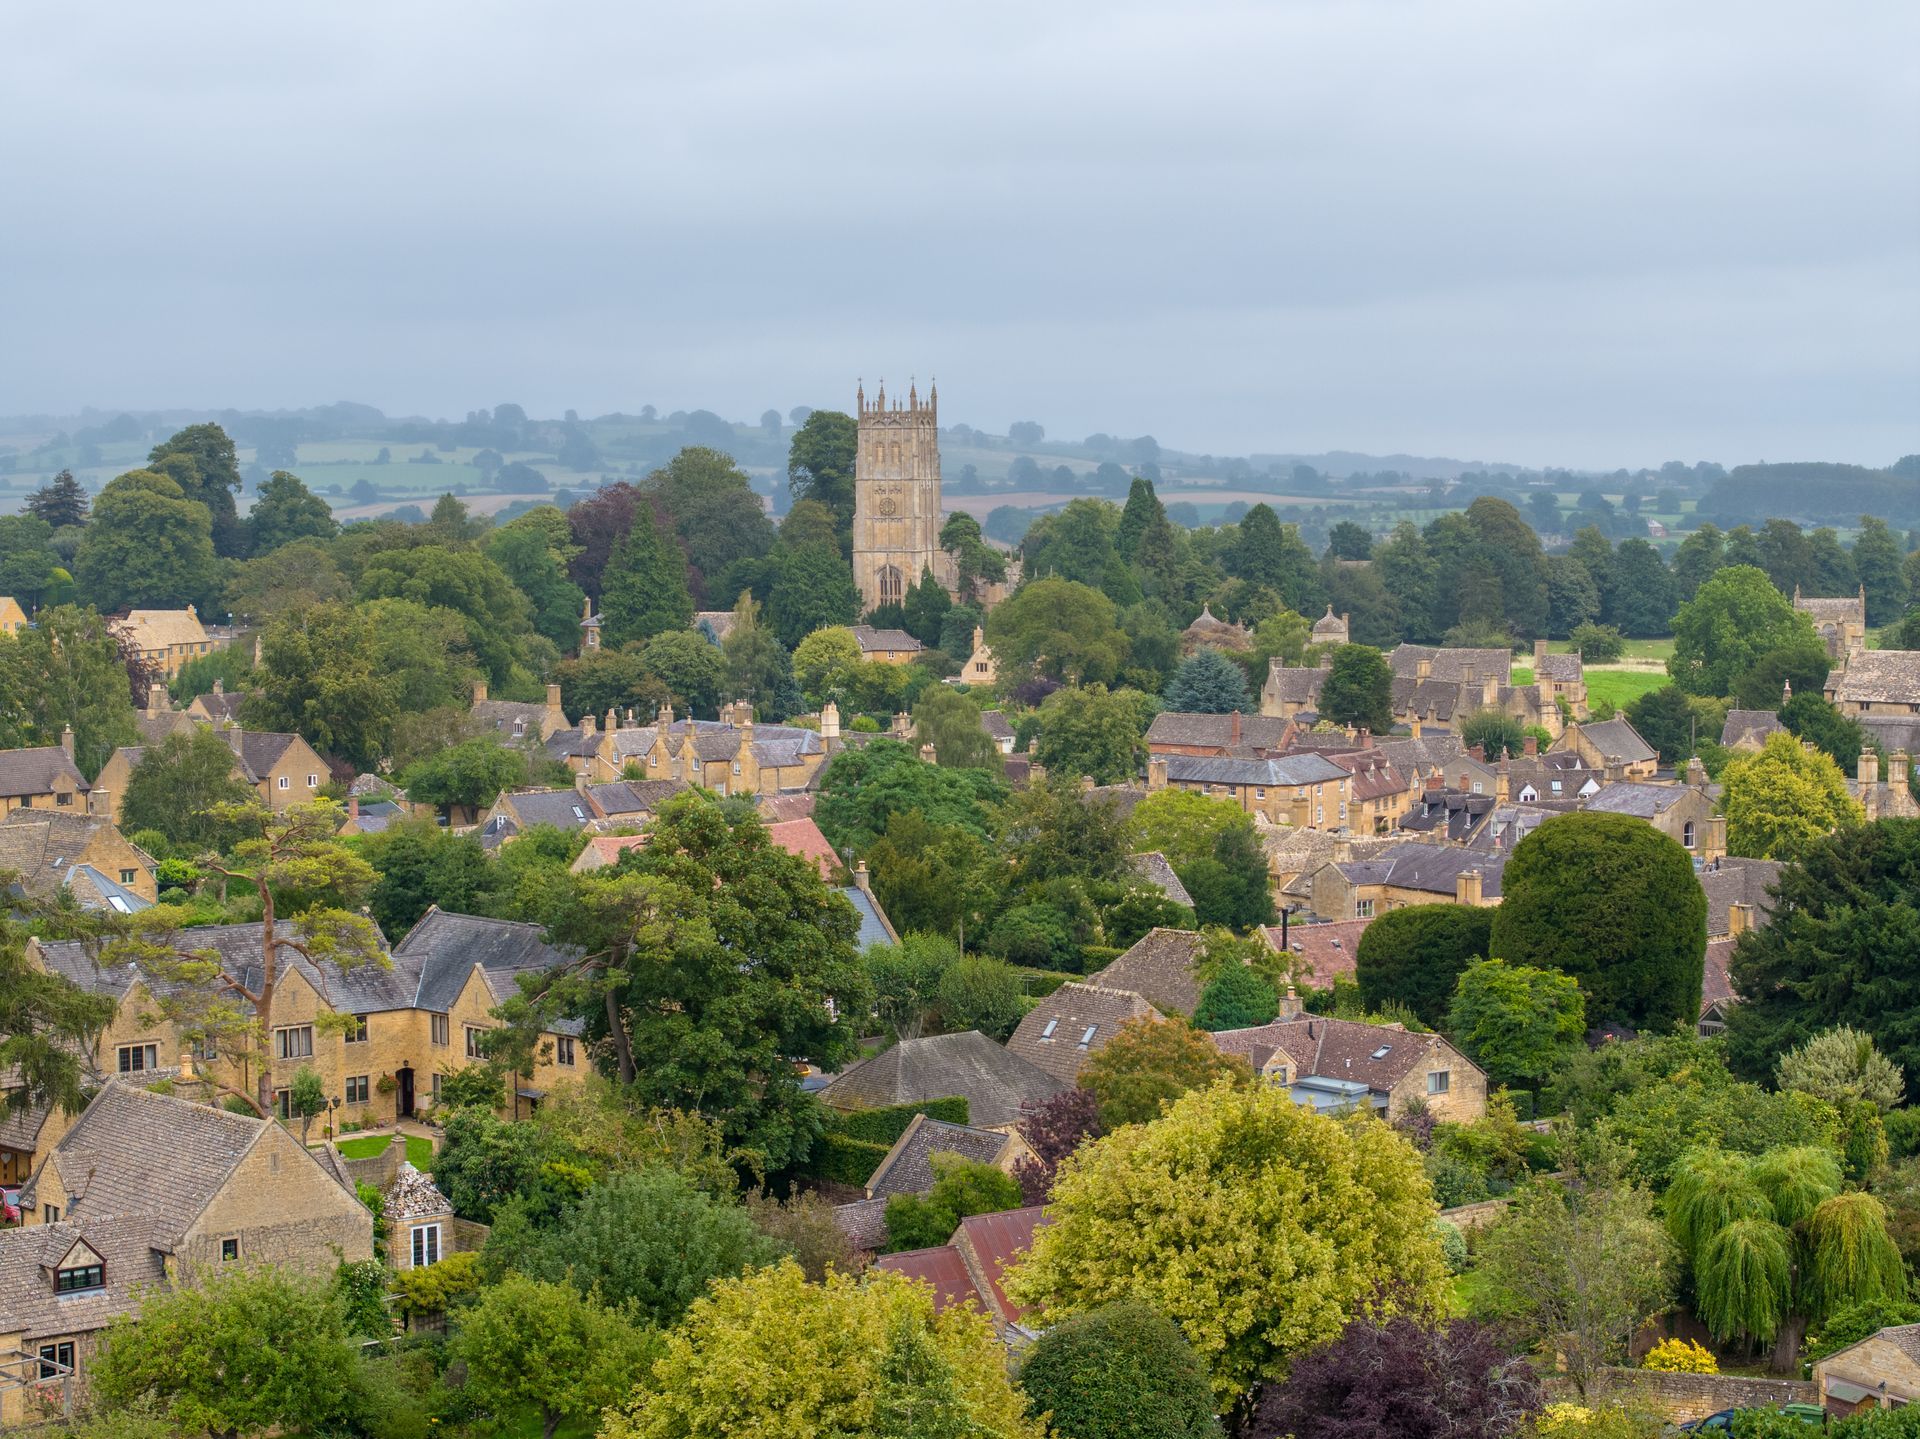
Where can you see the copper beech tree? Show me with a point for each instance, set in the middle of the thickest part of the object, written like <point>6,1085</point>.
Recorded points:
<point>307,884</point>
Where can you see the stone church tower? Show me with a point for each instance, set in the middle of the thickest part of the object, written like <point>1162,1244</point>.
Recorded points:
<point>896,498</point>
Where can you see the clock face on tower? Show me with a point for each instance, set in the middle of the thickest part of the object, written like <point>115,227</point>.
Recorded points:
<point>885,505</point>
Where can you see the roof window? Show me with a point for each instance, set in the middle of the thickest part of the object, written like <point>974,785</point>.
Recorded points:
<point>1047,1033</point>
<point>1381,1052</point>
<point>1087,1038</point>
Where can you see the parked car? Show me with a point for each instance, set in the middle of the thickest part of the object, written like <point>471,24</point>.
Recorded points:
<point>1722,1422</point>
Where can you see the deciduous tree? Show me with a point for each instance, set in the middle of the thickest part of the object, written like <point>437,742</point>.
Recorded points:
<point>1358,689</point>
<point>1783,798</point>
<point>1733,619</point>
<point>1121,1371</point>
<point>1517,1022</point>
<point>1150,1064</point>
<point>148,545</point>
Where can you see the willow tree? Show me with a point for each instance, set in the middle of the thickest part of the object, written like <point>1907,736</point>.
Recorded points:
<point>1712,1189</point>
<point>1851,1259</point>
<point>1743,1280</point>
<point>1796,1180</point>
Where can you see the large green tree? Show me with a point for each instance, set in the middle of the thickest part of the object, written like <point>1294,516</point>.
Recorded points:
<point>644,588</point>
<point>1060,629</point>
<point>61,502</point>
<point>1613,902</point>
<point>67,670</point>
<point>202,459</point>
<point>1358,689</point>
<point>862,789</point>
<point>1091,731</point>
<point>950,722</point>
<point>711,963</point>
<point>497,616</point>
<point>533,551</point>
<point>318,678</point>
<point>148,546</point>
<point>1517,1022</point>
<point>716,515</point>
<point>1782,798</point>
<point>1843,948</point>
<point>820,463</point>
<point>1732,620</point>
<point>1415,956</point>
<point>1149,1064</point>
<point>1254,1224</point>
<point>1121,1371</point>
<point>812,588</point>
<point>178,786</point>
<point>285,510</point>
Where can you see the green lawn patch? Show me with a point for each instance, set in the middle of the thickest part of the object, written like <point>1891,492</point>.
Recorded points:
<point>1623,687</point>
<point>419,1149</point>
<point>419,1152</point>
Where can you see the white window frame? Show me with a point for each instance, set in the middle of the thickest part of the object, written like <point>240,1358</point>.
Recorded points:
<point>474,1031</point>
<point>313,781</point>
<point>425,1241</point>
<point>1440,1081</point>
<point>286,782</point>
<point>1363,909</point>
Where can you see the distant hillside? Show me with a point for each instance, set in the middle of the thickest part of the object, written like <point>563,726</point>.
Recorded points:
<point>1815,492</point>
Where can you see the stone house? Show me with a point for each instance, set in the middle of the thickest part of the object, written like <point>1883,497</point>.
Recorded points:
<point>1306,791</point>
<point>1613,746</point>
<point>1888,799</point>
<point>1737,901</point>
<point>165,639</point>
<point>415,1019</point>
<point>1882,683</point>
<point>1395,875</point>
<point>283,769</point>
<point>1747,730</point>
<point>216,708</point>
<point>1841,623</point>
<point>1682,812</point>
<point>42,777</point>
<point>730,756</point>
<point>886,647</point>
<point>1293,691</point>
<point>1881,1371</point>
<point>146,1189</point>
<point>1066,1028</point>
<point>1333,1064</point>
<point>980,668</point>
<point>516,721</point>
<point>1210,735</point>
<point>56,849</point>
<point>160,721</point>
<point>420,1220</point>
<point>1332,629</point>
<point>997,1085</point>
<point>13,619</point>
<point>997,728</point>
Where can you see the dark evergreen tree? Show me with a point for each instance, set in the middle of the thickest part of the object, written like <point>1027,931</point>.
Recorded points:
<point>201,460</point>
<point>1142,508</point>
<point>1122,1371</point>
<point>1358,689</point>
<point>62,501</point>
<point>1209,683</point>
<point>1414,956</point>
<point>644,589</point>
<point>926,610</point>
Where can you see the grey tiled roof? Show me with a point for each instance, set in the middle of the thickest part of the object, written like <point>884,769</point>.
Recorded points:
<point>1879,676</point>
<point>1155,869</point>
<point>1376,1055</point>
<point>908,1167</point>
<point>1292,769</point>
<point>442,950</point>
<point>1561,668</point>
<point>1434,868</point>
<point>565,809</point>
<point>132,1247</point>
<point>995,724</point>
<point>40,844</point>
<point>1072,1010</point>
<point>1160,969</point>
<point>640,796</point>
<point>1637,798</point>
<point>258,750</point>
<point>874,641</point>
<point>864,1222</point>
<point>574,743</point>
<point>874,927</point>
<point>40,770</point>
<point>1294,685</point>
<point>994,1083</point>
<point>136,1152</point>
<point>1730,880</point>
<point>508,717</point>
<point>1453,664</point>
<point>1216,731</point>
<point>1618,742</point>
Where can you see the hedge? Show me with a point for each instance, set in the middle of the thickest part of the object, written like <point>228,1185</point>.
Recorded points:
<point>1096,957</point>
<point>884,1125</point>
<point>1039,983</point>
<point>845,1161</point>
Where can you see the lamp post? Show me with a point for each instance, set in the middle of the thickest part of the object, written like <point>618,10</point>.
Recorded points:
<point>333,1103</point>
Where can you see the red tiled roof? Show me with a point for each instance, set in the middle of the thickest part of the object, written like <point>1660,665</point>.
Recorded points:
<point>942,1267</point>
<point>997,1240</point>
<point>1327,949</point>
<point>1717,987</point>
<point>609,847</point>
<point>802,837</point>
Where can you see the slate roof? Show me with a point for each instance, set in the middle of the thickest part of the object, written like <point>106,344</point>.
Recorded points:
<point>776,807</point>
<point>1637,798</point>
<point>443,948</point>
<point>258,750</point>
<point>873,641</point>
<point>1433,868</point>
<point>875,928</point>
<point>908,1167</point>
<point>132,1247</point>
<point>512,718</point>
<point>995,1084</point>
<point>1122,799</point>
<point>93,890</point>
<point>1842,607</point>
<point>39,770</point>
<point>637,796</point>
<point>134,1152</point>
<point>220,705</point>
<point>40,845</point>
<point>20,1128</point>
<point>995,724</point>
<point>1294,684</point>
<point>1156,869</point>
<point>1217,731</point>
<point>1452,664</point>
<point>1560,668</point>
<point>1716,985</point>
<point>1376,1055</point>
<point>155,728</point>
<point>1730,880</point>
<point>1879,677</point>
<point>1160,969</point>
<point>1287,770</point>
<point>864,1222</point>
<point>1072,1010</point>
<point>1443,752</point>
<point>575,743</point>
<point>375,815</point>
<point>940,1267</point>
<point>1327,950</point>
<point>565,809</point>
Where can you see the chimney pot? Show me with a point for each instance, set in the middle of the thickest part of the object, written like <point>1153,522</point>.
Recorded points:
<point>479,692</point>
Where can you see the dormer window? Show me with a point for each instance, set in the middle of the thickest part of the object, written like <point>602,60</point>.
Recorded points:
<point>79,1272</point>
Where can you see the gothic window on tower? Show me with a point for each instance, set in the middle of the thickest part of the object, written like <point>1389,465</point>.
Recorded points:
<point>891,591</point>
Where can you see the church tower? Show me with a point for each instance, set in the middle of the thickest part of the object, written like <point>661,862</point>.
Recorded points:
<point>896,498</point>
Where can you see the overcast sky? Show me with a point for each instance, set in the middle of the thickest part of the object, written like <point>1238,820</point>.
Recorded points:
<point>1588,232</point>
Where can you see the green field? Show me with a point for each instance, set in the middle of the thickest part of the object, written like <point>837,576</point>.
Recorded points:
<point>419,1150</point>
<point>1621,686</point>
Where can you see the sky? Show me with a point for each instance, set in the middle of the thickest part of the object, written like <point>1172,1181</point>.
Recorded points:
<point>1581,232</point>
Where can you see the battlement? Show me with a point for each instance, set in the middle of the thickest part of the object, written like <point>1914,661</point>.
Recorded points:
<point>913,411</point>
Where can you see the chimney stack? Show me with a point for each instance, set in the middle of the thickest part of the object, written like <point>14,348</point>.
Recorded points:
<point>1413,726</point>
<point>829,720</point>
<point>66,740</point>
<point>1530,746</point>
<point>1897,772</point>
<point>1716,839</point>
<point>1156,772</point>
<point>556,717</point>
<point>1696,773</point>
<point>1539,657</point>
<point>158,702</point>
<point>479,692</point>
<point>1234,731</point>
<point>1739,919</point>
<point>1468,887</point>
<point>1290,1004</point>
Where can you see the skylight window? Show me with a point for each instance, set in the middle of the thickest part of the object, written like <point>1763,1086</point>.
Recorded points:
<point>1087,1038</point>
<point>1381,1052</point>
<point>1047,1033</point>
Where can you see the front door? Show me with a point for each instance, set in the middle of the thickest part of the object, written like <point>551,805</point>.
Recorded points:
<point>404,1106</point>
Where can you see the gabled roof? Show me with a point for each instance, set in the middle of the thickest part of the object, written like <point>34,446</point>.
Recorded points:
<point>1433,868</point>
<point>1618,742</point>
<point>940,1267</point>
<point>413,1195</point>
<point>873,641</point>
<point>1716,983</point>
<point>444,948</point>
<point>1327,950</point>
<point>1217,731</point>
<point>41,845</point>
<point>995,723</point>
<point>1155,869</point>
<point>1376,1055</point>
<point>1452,664</point>
<point>875,927</point>
<point>1730,880</point>
<point>134,1152</point>
<point>1294,684</point>
<point>802,839</point>
<point>565,809</point>
<point>1160,969</point>
<point>996,1085</point>
<point>1751,725</point>
<point>636,796</point>
<point>257,750</point>
<point>1560,668</point>
<point>511,718</point>
<point>1879,676</point>
<point>993,1242</point>
<point>908,1167</point>
<point>1075,1021</point>
<point>39,770</point>
<point>161,629</point>
<point>1637,798</point>
<point>1292,769</point>
<point>864,1222</point>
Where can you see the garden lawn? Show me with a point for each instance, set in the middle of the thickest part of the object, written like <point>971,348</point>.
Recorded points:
<point>419,1150</point>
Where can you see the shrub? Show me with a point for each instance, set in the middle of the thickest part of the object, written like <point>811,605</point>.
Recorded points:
<point>1117,1372</point>
<point>1453,1245</point>
<point>1680,1356</point>
<point>845,1161</point>
<point>886,1124</point>
<point>432,1287</point>
<point>1598,644</point>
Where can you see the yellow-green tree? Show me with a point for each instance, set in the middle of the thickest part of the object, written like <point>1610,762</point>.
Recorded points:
<point>1259,1227</point>
<point>1783,798</point>
<point>771,1355</point>
<point>1151,1063</point>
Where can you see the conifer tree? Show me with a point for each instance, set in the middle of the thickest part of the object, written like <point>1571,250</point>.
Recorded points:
<point>644,591</point>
